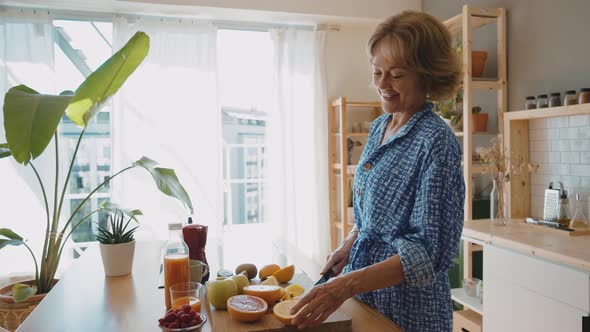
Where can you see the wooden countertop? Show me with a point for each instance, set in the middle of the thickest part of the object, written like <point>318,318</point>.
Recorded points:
<point>86,300</point>
<point>534,240</point>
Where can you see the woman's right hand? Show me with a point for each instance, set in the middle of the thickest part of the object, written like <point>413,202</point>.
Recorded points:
<point>338,259</point>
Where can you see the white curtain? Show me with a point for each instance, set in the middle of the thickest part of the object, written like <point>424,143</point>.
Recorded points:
<point>168,111</point>
<point>26,57</point>
<point>297,196</point>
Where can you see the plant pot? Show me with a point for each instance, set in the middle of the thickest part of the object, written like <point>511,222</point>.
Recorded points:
<point>117,259</point>
<point>480,122</point>
<point>13,314</point>
<point>458,123</point>
<point>478,61</point>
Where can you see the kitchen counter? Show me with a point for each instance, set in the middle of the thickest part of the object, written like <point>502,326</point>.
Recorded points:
<point>86,300</point>
<point>534,240</point>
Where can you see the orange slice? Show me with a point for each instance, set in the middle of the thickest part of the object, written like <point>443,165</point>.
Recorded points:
<point>295,289</point>
<point>281,311</point>
<point>246,308</point>
<point>270,281</point>
<point>268,293</point>
<point>268,270</point>
<point>285,274</point>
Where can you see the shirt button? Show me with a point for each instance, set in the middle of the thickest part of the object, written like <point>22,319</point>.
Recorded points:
<point>358,191</point>
<point>368,166</point>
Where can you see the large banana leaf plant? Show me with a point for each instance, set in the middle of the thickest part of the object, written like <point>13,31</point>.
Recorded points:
<point>31,120</point>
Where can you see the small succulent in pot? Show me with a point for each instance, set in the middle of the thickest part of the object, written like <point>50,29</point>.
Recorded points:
<point>117,244</point>
<point>119,221</point>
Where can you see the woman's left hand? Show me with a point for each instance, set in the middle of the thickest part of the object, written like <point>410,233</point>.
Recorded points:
<point>321,302</point>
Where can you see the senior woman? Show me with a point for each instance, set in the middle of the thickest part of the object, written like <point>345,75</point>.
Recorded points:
<point>408,189</point>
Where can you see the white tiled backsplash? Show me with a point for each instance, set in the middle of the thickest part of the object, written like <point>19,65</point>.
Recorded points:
<point>561,147</point>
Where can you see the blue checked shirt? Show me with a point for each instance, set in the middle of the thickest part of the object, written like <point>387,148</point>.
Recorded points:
<point>408,200</point>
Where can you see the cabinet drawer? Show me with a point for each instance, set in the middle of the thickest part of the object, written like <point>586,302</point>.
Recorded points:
<point>466,321</point>
<point>552,280</point>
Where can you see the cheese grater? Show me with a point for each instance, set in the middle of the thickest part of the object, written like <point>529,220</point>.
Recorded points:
<point>551,207</point>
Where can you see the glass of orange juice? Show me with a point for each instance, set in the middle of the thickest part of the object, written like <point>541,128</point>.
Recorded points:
<point>186,293</point>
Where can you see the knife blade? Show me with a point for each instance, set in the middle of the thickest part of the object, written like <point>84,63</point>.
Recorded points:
<point>324,278</point>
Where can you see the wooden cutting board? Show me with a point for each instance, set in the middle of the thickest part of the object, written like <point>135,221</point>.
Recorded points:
<point>221,321</point>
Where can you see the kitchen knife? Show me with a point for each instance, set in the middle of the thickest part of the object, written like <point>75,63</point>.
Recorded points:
<point>325,277</point>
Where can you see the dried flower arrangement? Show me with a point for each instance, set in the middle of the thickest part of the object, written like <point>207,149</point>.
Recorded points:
<point>498,158</point>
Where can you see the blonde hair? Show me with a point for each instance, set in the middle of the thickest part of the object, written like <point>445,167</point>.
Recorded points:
<point>421,43</point>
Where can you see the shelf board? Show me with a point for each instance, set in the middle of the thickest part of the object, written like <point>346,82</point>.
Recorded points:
<point>458,295</point>
<point>460,133</point>
<point>357,135</point>
<point>551,112</point>
<point>487,84</point>
<point>455,23</point>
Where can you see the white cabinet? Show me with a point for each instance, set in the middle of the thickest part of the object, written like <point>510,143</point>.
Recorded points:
<point>526,293</point>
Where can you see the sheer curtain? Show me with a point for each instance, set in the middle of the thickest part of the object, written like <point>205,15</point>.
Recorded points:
<point>297,196</point>
<point>26,57</point>
<point>168,111</point>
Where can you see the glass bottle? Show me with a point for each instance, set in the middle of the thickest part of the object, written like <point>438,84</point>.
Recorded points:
<point>498,204</point>
<point>570,98</point>
<point>530,103</point>
<point>578,220</point>
<point>555,99</point>
<point>176,259</point>
<point>542,101</point>
<point>196,239</point>
<point>563,216</point>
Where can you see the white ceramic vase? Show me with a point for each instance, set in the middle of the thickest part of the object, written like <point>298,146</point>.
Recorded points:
<point>117,259</point>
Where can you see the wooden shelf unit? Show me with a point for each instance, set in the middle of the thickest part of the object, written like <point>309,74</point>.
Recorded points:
<point>516,140</point>
<point>338,133</point>
<point>464,23</point>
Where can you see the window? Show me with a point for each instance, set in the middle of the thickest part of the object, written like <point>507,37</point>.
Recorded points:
<point>82,46</point>
<point>244,97</point>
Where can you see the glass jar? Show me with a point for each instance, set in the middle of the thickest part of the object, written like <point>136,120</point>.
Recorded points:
<point>570,98</point>
<point>530,103</point>
<point>555,99</point>
<point>584,96</point>
<point>542,101</point>
<point>578,220</point>
<point>176,260</point>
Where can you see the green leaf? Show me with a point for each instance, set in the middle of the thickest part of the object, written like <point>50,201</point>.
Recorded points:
<point>4,243</point>
<point>10,234</point>
<point>166,180</point>
<point>107,79</point>
<point>4,150</point>
<point>30,120</point>
<point>21,292</point>
<point>107,205</point>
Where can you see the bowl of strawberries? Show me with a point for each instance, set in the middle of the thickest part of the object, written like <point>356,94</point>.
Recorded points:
<point>184,319</point>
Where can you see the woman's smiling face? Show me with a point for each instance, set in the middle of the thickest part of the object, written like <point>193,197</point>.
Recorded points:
<point>399,88</point>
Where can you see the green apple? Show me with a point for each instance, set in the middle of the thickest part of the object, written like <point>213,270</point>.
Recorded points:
<point>241,281</point>
<point>218,291</point>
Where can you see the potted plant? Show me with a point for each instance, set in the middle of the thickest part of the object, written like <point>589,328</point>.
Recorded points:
<point>480,120</point>
<point>31,120</point>
<point>116,242</point>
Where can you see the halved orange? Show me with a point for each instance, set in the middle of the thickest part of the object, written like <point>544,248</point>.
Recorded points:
<point>285,274</point>
<point>268,270</point>
<point>296,289</point>
<point>268,293</point>
<point>281,311</point>
<point>246,308</point>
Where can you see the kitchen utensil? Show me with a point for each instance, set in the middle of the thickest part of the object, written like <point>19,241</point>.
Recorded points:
<point>324,278</point>
<point>551,206</point>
